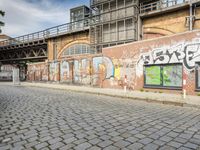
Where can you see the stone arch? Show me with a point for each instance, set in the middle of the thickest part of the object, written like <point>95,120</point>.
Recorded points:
<point>71,44</point>
<point>156,32</point>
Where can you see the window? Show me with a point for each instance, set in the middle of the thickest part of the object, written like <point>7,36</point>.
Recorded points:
<point>198,76</point>
<point>172,75</point>
<point>153,75</point>
<point>77,49</point>
<point>165,76</point>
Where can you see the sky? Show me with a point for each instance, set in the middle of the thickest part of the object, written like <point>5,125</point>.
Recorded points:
<point>28,16</point>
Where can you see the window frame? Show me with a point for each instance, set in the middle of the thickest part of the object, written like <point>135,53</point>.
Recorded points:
<point>73,50</point>
<point>161,86</point>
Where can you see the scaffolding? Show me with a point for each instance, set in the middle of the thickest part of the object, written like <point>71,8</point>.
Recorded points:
<point>113,22</point>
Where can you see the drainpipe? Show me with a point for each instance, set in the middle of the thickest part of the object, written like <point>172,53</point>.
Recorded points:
<point>191,17</point>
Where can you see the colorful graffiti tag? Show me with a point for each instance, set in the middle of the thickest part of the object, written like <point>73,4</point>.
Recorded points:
<point>53,71</point>
<point>64,71</point>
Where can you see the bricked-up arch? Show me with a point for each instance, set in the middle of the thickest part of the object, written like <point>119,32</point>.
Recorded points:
<point>154,32</point>
<point>76,49</point>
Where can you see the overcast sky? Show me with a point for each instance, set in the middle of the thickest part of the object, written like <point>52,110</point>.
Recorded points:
<point>27,16</point>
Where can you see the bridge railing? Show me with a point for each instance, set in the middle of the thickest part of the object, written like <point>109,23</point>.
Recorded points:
<point>158,5</point>
<point>47,33</point>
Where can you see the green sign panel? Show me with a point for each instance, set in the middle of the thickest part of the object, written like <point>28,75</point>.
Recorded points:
<point>172,75</point>
<point>153,75</point>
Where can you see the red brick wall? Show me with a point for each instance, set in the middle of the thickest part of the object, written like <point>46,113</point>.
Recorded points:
<point>109,69</point>
<point>131,59</point>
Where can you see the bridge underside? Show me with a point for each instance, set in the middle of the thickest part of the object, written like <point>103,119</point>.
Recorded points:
<point>29,53</point>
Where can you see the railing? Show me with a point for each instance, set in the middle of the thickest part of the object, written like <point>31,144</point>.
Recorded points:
<point>116,14</point>
<point>94,2</point>
<point>144,8</point>
<point>48,33</point>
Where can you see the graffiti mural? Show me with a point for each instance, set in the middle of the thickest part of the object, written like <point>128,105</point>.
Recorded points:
<point>86,71</point>
<point>103,69</point>
<point>53,71</point>
<point>187,54</point>
<point>64,71</point>
<point>38,72</point>
<point>77,71</point>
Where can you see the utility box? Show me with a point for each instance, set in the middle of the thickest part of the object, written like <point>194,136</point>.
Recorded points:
<point>16,80</point>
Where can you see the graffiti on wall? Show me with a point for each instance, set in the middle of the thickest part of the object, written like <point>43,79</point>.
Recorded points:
<point>187,54</point>
<point>53,71</point>
<point>88,71</point>
<point>64,71</point>
<point>38,71</point>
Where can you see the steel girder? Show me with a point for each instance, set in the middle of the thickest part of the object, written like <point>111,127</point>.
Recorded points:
<point>25,53</point>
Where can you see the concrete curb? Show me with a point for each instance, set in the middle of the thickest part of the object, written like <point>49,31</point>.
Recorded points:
<point>125,95</point>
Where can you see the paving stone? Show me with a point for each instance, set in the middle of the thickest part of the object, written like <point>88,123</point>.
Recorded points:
<point>145,141</point>
<point>122,144</point>
<point>135,146</point>
<point>54,140</point>
<point>184,148</point>
<point>159,143</point>
<point>83,146</point>
<point>94,148</point>
<point>70,140</point>
<point>41,145</point>
<point>46,138</point>
<point>111,147</point>
<point>151,146</point>
<point>105,143</point>
<point>191,145</point>
<point>166,138</point>
<point>95,141</point>
<point>56,145</point>
<point>39,118</point>
<point>131,139</point>
<point>175,144</point>
<point>66,147</point>
<point>167,148</point>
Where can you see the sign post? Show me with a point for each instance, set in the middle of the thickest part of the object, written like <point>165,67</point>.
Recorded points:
<point>125,83</point>
<point>184,86</point>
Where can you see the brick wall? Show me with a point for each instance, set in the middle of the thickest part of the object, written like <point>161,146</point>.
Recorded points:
<point>168,23</point>
<point>109,69</point>
<point>62,42</point>
<point>129,60</point>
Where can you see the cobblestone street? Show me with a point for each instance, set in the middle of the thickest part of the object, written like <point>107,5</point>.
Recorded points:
<point>38,118</point>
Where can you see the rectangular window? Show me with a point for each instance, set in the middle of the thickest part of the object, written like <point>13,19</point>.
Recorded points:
<point>164,76</point>
<point>152,75</point>
<point>172,75</point>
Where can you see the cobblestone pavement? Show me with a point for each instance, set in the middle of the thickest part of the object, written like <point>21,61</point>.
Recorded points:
<point>37,118</point>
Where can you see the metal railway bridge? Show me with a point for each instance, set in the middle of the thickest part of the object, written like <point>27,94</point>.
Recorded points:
<point>33,47</point>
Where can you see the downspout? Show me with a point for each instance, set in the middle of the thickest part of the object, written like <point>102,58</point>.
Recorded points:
<point>191,17</point>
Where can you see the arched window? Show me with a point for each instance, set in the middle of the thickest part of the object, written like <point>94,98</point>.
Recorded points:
<point>78,49</point>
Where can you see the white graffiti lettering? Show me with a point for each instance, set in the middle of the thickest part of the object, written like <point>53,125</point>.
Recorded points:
<point>187,54</point>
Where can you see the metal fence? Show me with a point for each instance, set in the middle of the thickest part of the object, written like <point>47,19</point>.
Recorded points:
<point>158,5</point>
<point>48,33</point>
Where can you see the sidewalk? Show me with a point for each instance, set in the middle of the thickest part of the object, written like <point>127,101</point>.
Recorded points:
<point>164,98</point>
